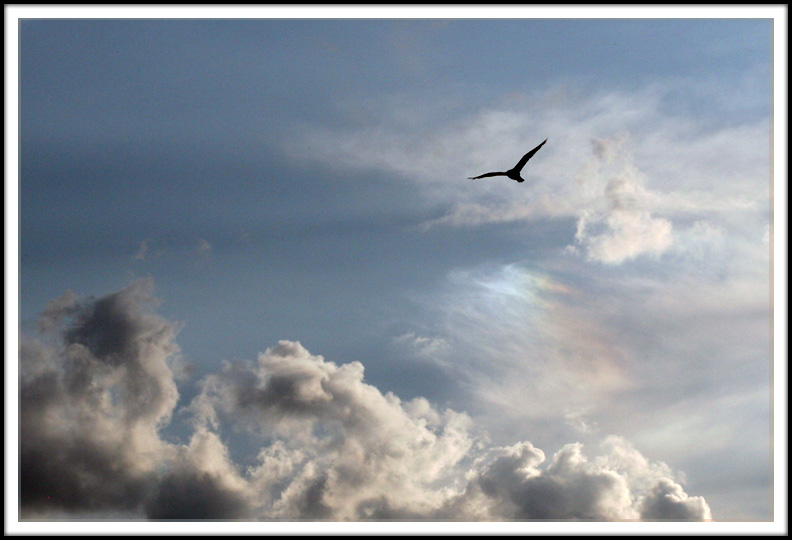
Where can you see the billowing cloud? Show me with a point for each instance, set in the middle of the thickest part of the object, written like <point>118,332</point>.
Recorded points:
<point>289,436</point>
<point>201,482</point>
<point>619,485</point>
<point>92,402</point>
<point>344,449</point>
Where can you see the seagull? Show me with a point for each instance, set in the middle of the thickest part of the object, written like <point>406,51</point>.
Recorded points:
<point>514,173</point>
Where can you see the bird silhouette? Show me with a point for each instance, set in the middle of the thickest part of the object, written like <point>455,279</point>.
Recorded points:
<point>513,173</point>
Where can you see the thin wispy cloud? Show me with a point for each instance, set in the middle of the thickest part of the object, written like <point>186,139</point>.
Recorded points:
<point>142,252</point>
<point>519,343</point>
<point>625,168</point>
<point>204,248</point>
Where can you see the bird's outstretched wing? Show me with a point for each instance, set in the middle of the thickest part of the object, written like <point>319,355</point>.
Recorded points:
<point>486,175</point>
<point>526,157</point>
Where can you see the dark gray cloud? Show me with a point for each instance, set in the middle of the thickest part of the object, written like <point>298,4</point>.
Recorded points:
<point>195,495</point>
<point>91,402</point>
<point>76,474</point>
<point>97,388</point>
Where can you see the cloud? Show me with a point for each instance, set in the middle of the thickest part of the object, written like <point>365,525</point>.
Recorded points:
<point>624,229</point>
<point>92,403</point>
<point>56,310</point>
<point>512,483</point>
<point>201,483</point>
<point>519,342</point>
<point>142,252</point>
<point>632,174</point>
<point>147,252</point>
<point>422,346</point>
<point>312,439</point>
<point>626,235</point>
<point>668,501</point>
<point>573,487</point>
<point>204,248</point>
<point>474,214</point>
<point>344,449</point>
<point>673,356</point>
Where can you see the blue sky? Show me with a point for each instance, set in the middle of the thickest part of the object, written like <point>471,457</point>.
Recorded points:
<point>238,203</point>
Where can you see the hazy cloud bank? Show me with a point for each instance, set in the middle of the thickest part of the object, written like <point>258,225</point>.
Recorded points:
<point>632,174</point>
<point>98,386</point>
<point>673,355</point>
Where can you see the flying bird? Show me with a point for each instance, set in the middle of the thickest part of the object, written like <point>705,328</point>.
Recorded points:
<point>513,173</point>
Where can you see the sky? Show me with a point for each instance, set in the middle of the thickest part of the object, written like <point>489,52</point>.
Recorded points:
<point>256,284</point>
